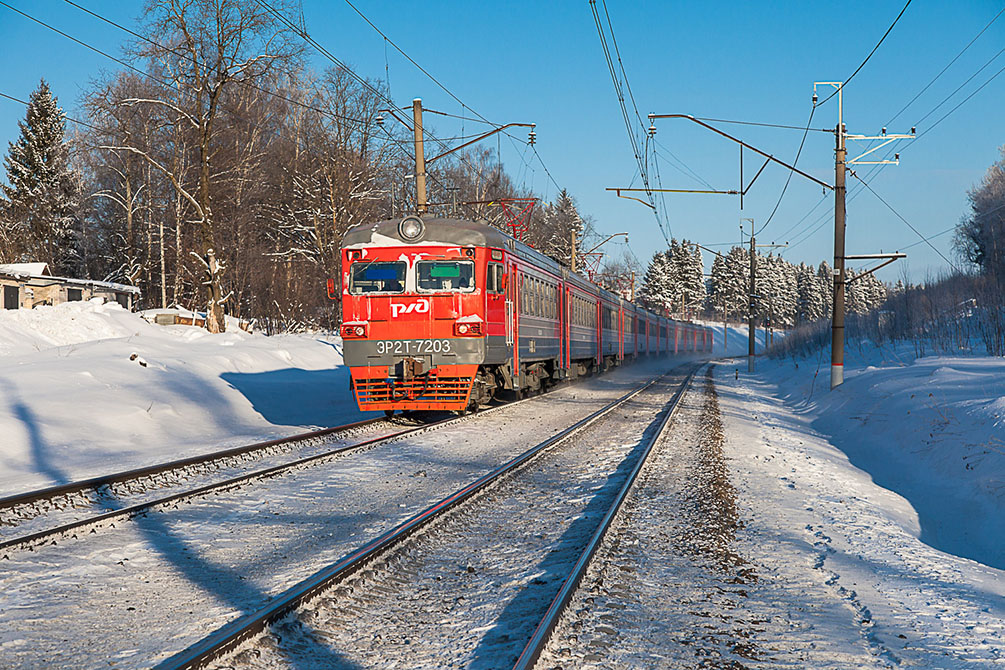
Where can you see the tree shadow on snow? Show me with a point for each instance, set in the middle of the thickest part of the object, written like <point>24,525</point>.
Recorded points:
<point>297,397</point>
<point>44,462</point>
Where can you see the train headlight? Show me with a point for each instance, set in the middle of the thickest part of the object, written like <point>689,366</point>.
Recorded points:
<point>468,329</point>
<point>411,228</point>
<point>353,330</point>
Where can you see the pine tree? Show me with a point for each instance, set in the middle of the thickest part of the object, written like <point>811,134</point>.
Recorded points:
<point>44,194</point>
<point>560,220</point>
<point>825,288</point>
<point>690,275</point>
<point>655,290</point>
<point>730,282</point>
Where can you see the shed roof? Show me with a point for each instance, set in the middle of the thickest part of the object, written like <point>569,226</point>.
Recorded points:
<point>20,269</point>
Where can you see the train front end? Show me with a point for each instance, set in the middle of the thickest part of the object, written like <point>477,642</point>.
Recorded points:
<point>412,326</point>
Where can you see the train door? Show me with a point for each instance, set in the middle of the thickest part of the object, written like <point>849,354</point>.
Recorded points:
<point>620,325</point>
<point>496,303</point>
<point>599,333</point>
<point>511,322</point>
<point>565,309</point>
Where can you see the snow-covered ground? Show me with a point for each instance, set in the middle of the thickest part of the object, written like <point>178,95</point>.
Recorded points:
<point>873,515</point>
<point>89,388</point>
<point>886,495</point>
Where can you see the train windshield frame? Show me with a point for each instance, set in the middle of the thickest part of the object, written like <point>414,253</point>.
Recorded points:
<point>377,277</point>
<point>453,276</point>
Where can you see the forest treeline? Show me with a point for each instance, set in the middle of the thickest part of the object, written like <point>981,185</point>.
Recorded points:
<point>221,172</point>
<point>785,294</point>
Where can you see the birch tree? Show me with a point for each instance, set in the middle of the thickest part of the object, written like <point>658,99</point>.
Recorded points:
<point>205,48</point>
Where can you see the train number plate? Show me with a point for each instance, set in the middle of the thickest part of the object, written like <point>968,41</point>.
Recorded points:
<point>413,347</point>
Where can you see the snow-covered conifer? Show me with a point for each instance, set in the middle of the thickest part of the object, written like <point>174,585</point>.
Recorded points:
<point>655,290</point>
<point>44,193</point>
<point>560,220</point>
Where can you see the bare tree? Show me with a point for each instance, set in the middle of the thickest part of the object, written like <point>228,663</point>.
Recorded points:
<point>205,48</point>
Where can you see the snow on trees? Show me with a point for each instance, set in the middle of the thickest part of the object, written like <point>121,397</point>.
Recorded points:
<point>785,293</point>
<point>41,202</point>
<point>205,49</point>
<point>689,274</point>
<point>776,285</point>
<point>560,221</point>
<point>655,291</point>
<point>977,235</point>
<point>730,282</point>
<point>675,281</point>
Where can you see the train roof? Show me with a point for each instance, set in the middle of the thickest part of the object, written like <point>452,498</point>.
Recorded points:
<point>439,232</point>
<point>462,232</point>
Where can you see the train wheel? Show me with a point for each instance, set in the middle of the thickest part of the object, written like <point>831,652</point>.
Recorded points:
<point>388,413</point>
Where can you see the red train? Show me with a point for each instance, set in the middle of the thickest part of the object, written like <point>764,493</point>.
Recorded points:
<point>444,313</point>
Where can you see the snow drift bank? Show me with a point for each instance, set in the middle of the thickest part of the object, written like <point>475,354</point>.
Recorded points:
<point>929,429</point>
<point>89,388</point>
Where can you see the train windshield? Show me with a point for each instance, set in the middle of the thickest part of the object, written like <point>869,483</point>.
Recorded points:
<point>445,275</point>
<point>377,277</point>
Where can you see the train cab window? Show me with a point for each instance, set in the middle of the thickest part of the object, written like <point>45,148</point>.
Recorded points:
<point>377,277</point>
<point>445,275</point>
<point>494,278</point>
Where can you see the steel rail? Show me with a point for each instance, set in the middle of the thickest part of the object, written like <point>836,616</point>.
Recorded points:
<point>542,633</point>
<point>95,483</point>
<point>228,637</point>
<point>35,538</point>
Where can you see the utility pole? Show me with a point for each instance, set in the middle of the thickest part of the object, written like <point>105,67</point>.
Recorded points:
<point>750,300</point>
<point>841,163</point>
<point>573,268</point>
<point>453,197</point>
<point>420,157</point>
<point>752,296</point>
<point>421,198</point>
<point>725,326</point>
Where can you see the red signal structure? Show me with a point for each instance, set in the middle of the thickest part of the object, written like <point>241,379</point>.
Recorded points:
<point>517,212</point>
<point>590,262</point>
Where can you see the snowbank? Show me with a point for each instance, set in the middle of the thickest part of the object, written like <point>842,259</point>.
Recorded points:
<point>842,579</point>
<point>26,330</point>
<point>89,388</point>
<point>929,429</point>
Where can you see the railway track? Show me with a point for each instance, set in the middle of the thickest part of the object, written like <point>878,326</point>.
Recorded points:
<point>237,640</point>
<point>42,516</point>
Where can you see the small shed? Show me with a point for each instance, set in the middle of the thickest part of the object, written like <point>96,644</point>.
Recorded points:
<point>179,316</point>
<point>28,285</point>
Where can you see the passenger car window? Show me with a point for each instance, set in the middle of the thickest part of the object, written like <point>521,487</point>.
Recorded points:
<point>377,277</point>
<point>445,275</point>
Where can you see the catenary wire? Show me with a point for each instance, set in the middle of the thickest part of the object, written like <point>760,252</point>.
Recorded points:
<point>943,71</point>
<point>789,177</point>
<point>765,125</point>
<point>862,65</point>
<point>908,223</point>
<point>182,54</point>
<point>480,119</point>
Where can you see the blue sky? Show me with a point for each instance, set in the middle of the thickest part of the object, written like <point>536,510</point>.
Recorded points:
<point>542,63</point>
